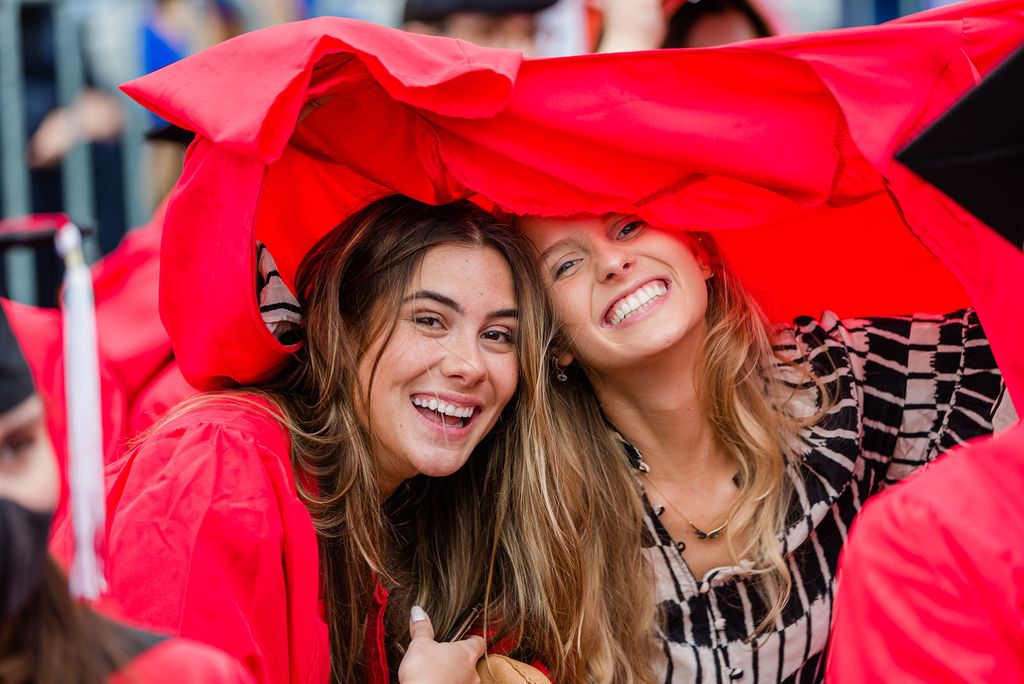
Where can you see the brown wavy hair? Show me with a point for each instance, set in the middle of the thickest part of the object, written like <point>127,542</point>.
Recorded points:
<point>534,526</point>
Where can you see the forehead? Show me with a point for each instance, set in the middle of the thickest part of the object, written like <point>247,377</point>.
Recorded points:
<point>464,272</point>
<point>544,231</point>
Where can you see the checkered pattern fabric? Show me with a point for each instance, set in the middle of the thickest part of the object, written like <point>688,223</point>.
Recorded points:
<point>906,390</point>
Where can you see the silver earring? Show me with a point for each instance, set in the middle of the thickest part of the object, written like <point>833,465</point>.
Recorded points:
<point>560,370</point>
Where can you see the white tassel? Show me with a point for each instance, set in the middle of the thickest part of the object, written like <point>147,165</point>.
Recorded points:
<point>84,420</point>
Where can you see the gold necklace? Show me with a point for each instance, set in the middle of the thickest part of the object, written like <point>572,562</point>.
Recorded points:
<point>701,534</point>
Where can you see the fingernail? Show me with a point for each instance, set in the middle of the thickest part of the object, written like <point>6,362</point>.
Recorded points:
<point>417,614</point>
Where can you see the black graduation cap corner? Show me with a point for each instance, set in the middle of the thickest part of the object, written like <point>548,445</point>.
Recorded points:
<point>975,152</point>
<point>15,378</point>
<point>437,10</point>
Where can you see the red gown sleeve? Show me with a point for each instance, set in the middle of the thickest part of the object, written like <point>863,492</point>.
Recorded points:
<point>177,661</point>
<point>209,540</point>
<point>931,586</point>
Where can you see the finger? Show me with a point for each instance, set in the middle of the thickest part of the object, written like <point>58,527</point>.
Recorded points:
<point>419,624</point>
<point>475,645</point>
<point>313,105</point>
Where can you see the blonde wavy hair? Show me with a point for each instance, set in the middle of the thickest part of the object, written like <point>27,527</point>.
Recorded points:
<point>748,401</point>
<point>514,529</point>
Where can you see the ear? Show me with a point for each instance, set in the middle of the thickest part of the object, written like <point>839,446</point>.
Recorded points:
<point>564,359</point>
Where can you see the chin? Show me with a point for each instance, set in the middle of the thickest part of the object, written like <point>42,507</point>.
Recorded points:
<point>440,465</point>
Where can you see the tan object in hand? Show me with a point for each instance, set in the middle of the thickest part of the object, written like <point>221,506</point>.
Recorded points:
<point>497,669</point>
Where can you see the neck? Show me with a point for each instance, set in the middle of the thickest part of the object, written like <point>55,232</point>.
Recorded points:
<point>654,405</point>
<point>388,482</point>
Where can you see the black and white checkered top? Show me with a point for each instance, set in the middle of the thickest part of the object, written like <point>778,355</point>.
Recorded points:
<point>906,389</point>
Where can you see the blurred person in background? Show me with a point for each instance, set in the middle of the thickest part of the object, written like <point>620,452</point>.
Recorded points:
<point>613,25</point>
<point>507,24</point>
<point>45,636</point>
<point>629,25</point>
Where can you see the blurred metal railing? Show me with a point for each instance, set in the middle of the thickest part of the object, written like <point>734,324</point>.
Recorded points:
<point>77,177</point>
<point>20,265</point>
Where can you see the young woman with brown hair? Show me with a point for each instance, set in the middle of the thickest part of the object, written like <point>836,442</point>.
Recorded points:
<point>425,339</point>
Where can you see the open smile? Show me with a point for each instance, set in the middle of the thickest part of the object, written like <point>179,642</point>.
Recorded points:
<point>636,303</point>
<point>445,413</point>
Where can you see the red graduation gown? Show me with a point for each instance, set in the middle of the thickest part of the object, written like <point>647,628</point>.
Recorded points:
<point>931,586</point>
<point>207,539</point>
<point>781,146</point>
<point>177,661</point>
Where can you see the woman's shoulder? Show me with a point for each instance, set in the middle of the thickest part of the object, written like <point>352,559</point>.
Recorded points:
<point>236,442</point>
<point>236,417</point>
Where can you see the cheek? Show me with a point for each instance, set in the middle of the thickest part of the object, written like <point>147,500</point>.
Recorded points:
<point>35,484</point>
<point>49,478</point>
<point>505,377</point>
<point>571,303</point>
<point>406,357</point>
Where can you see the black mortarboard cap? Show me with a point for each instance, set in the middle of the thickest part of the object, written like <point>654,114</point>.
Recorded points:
<point>975,152</point>
<point>436,10</point>
<point>15,379</point>
<point>33,230</point>
<point>168,132</point>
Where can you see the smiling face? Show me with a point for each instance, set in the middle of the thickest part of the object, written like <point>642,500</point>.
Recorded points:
<point>449,368</point>
<point>624,292</point>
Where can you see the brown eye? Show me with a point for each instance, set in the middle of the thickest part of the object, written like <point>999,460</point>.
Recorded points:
<point>14,449</point>
<point>503,336</point>
<point>427,321</point>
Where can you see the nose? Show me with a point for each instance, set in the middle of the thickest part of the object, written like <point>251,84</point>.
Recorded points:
<point>613,262</point>
<point>463,362</point>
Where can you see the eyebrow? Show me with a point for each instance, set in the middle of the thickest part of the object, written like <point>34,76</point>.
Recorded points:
<point>454,305</point>
<point>437,297</point>
<point>561,243</point>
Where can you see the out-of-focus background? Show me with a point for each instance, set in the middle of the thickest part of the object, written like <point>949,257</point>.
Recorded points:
<point>71,142</point>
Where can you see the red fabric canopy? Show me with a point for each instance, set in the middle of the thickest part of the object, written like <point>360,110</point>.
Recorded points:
<point>781,146</point>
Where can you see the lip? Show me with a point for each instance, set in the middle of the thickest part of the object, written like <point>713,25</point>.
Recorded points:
<point>625,292</point>
<point>460,400</point>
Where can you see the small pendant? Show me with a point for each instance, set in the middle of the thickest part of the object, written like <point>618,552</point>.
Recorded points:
<point>702,535</point>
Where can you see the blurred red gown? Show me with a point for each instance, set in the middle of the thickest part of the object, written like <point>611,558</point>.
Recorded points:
<point>177,661</point>
<point>783,141</point>
<point>931,586</point>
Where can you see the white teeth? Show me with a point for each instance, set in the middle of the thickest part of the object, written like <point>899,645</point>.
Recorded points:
<point>443,407</point>
<point>627,306</point>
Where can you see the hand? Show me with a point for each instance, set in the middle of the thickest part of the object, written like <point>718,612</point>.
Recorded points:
<point>631,25</point>
<point>430,662</point>
<point>93,116</point>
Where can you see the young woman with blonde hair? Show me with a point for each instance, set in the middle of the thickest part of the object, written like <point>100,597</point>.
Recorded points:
<point>752,447</point>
